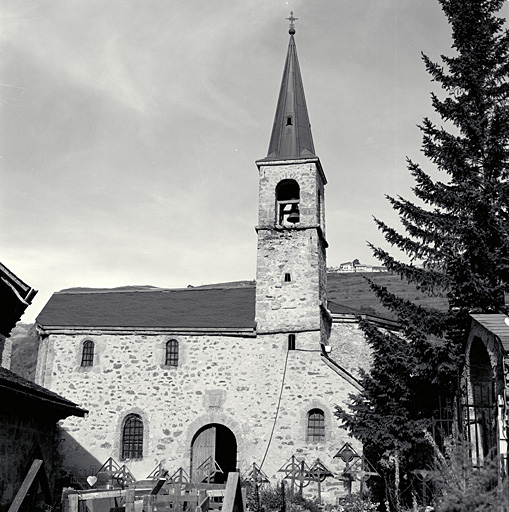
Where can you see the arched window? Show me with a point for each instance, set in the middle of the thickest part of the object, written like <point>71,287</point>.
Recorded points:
<point>132,437</point>
<point>87,354</point>
<point>288,198</point>
<point>172,353</point>
<point>316,425</point>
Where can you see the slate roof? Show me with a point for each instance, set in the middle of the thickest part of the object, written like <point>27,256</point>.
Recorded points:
<point>188,308</point>
<point>9,381</point>
<point>345,311</point>
<point>495,323</point>
<point>341,309</point>
<point>226,308</point>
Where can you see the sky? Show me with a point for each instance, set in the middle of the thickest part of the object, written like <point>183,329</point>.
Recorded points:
<point>129,130</point>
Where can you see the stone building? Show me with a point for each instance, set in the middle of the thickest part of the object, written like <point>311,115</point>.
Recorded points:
<point>485,389</point>
<point>228,376</point>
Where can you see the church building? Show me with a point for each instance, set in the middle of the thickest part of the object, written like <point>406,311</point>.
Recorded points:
<point>214,379</point>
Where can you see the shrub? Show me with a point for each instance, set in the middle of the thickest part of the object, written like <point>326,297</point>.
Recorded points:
<point>462,488</point>
<point>270,499</point>
<point>356,503</point>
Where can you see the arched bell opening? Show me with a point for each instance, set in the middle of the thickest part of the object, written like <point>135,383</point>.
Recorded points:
<point>213,454</point>
<point>287,203</point>
<point>482,411</point>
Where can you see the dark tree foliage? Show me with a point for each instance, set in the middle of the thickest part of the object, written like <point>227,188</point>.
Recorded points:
<point>455,233</point>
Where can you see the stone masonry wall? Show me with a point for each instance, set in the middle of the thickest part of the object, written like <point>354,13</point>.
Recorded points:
<point>349,347</point>
<point>297,250</point>
<point>294,305</point>
<point>232,381</point>
<point>306,175</point>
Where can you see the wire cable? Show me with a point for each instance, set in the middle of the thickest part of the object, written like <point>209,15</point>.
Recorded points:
<point>277,410</point>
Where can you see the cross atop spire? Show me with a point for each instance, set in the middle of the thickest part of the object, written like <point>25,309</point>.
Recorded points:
<point>291,19</point>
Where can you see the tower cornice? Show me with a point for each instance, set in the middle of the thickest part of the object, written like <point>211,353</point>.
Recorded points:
<point>276,227</point>
<point>314,160</point>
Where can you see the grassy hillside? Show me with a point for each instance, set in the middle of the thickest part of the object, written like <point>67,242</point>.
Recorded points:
<point>352,289</point>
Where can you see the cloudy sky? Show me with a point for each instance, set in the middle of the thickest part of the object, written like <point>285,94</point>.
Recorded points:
<point>129,130</point>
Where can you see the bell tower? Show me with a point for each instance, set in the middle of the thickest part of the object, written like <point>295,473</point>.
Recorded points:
<point>291,264</point>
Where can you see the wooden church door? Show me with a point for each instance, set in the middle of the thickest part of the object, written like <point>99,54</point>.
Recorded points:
<point>203,453</point>
<point>213,454</point>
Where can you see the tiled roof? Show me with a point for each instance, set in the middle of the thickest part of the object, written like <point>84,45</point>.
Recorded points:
<point>496,324</point>
<point>187,308</point>
<point>12,382</point>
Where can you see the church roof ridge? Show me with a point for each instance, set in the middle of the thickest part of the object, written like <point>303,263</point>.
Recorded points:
<point>200,308</point>
<point>291,132</point>
<point>155,289</point>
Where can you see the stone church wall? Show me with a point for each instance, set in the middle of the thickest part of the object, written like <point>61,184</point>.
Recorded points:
<point>349,347</point>
<point>232,381</point>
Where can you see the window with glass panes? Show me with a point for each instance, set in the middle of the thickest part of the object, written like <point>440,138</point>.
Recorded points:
<point>87,356</point>
<point>132,437</point>
<point>172,353</point>
<point>316,425</point>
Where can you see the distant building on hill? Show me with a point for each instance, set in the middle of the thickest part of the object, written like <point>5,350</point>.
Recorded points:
<point>356,266</point>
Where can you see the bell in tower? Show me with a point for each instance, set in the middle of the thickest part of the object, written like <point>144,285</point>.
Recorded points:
<point>288,198</point>
<point>294,216</point>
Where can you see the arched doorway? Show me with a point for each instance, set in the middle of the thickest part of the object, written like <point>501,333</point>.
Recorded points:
<point>481,405</point>
<point>213,454</point>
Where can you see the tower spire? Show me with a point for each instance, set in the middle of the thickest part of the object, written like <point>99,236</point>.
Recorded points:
<point>291,133</point>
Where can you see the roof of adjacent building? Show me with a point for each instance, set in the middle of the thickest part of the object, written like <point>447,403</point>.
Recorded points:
<point>227,308</point>
<point>11,382</point>
<point>15,297</point>
<point>341,309</point>
<point>496,324</point>
<point>291,133</point>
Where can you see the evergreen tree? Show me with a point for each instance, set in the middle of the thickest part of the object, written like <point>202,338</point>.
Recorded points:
<point>456,235</point>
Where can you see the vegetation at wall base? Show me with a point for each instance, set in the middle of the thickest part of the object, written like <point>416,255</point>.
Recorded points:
<point>459,487</point>
<point>280,498</point>
<point>268,498</point>
<point>455,234</point>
